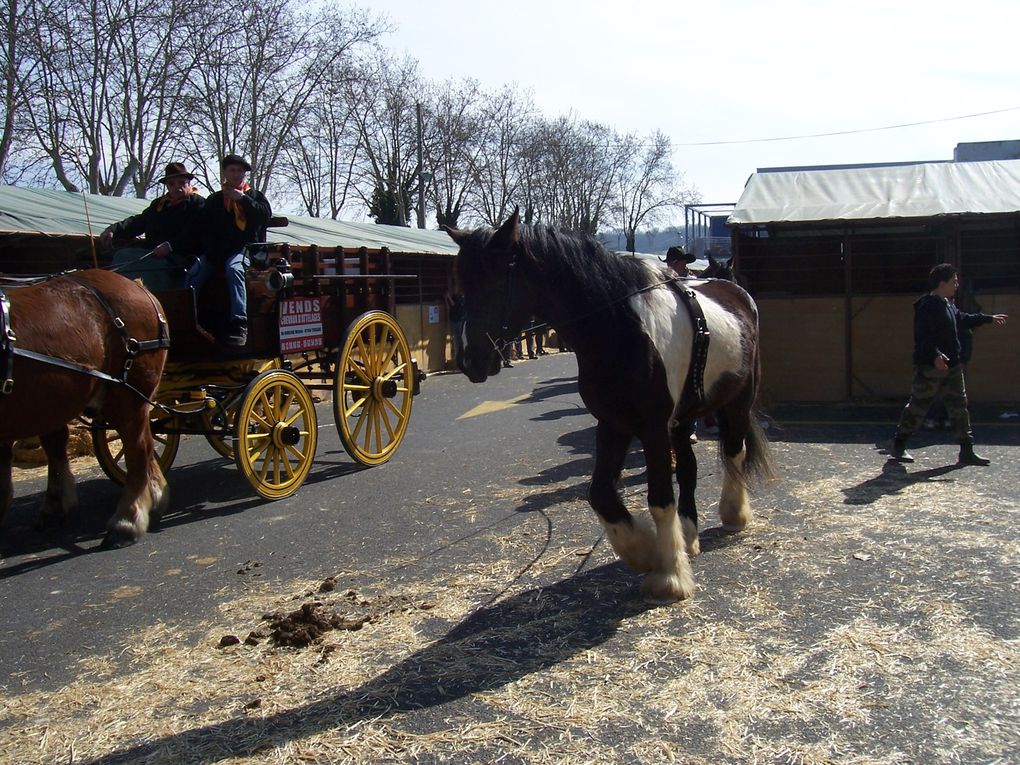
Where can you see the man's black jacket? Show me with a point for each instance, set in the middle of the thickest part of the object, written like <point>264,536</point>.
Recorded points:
<point>937,327</point>
<point>180,224</point>
<point>223,238</point>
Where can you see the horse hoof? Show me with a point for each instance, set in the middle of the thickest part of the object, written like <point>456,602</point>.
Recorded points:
<point>116,541</point>
<point>661,588</point>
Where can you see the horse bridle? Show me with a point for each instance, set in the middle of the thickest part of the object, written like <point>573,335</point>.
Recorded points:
<point>501,342</point>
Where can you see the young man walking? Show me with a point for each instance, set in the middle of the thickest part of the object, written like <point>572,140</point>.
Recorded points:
<point>937,367</point>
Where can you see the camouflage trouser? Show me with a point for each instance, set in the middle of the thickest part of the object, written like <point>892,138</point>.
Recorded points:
<point>949,386</point>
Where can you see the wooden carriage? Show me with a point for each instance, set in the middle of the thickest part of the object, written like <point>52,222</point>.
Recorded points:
<point>321,324</point>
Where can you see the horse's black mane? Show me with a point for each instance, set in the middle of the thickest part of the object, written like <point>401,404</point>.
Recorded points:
<point>590,283</point>
<point>597,271</point>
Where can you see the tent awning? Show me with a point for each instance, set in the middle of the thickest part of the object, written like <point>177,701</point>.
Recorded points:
<point>56,213</point>
<point>922,190</point>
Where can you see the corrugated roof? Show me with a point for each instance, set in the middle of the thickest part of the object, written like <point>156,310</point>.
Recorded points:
<point>921,190</point>
<point>51,212</point>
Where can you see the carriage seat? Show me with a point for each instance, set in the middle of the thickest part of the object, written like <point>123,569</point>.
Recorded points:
<point>258,252</point>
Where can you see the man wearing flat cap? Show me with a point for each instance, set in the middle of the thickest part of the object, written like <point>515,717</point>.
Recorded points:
<point>235,216</point>
<point>171,224</point>
<point>679,260</point>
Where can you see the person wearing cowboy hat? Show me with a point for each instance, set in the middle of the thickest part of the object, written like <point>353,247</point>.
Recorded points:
<point>171,227</point>
<point>679,261</point>
<point>235,216</point>
<point>172,217</point>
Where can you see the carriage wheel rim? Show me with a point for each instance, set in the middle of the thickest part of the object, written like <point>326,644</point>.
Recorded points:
<point>374,388</point>
<point>109,449</point>
<point>275,434</point>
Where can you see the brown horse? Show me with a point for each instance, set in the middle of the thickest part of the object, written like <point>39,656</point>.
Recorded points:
<point>631,324</point>
<point>74,318</point>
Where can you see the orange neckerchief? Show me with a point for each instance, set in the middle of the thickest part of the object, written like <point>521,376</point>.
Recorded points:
<point>240,219</point>
<point>165,201</point>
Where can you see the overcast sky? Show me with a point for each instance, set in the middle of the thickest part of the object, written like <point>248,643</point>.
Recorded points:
<point>742,71</point>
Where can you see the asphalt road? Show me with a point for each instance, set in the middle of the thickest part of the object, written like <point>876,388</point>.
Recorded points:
<point>868,615</point>
<point>73,600</point>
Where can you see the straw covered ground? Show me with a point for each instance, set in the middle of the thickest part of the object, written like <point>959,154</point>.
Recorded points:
<point>869,616</point>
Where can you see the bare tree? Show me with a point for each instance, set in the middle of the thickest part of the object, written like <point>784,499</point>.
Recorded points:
<point>319,161</point>
<point>648,186</point>
<point>100,80</point>
<point>451,145</point>
<point>387,125</point>
<point>9,65</point>
<point>263,60</point>
<point>500,170</point>
<point>580,164</point>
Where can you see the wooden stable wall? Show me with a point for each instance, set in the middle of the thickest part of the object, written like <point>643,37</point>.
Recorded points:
<point>430,343</point>
<point>805,341</point>
<point>802,349</point>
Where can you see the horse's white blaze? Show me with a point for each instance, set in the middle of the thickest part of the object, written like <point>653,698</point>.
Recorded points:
<point>667,323</point>
<point>734,507</point>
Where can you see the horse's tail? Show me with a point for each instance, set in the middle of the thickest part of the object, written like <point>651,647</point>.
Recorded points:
<point>759,464</point>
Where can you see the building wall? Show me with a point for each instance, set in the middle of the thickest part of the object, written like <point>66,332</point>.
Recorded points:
<point>430,343</point>
<point>804,356</point>
<point>802,349</point>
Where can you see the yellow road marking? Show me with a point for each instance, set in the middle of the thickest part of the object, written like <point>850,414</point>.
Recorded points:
<point>488,407</point>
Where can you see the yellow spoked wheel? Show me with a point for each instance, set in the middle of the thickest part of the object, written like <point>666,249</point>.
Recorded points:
<point>109,450</point>
<point>218,421</point>
<point>374,388</point>
<point>275,434</point>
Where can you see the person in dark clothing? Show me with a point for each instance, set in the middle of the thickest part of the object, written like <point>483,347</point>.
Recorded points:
<point>966,323</point>
<point>171,225</point>
<point>937,367</point>
<point>235,217</point>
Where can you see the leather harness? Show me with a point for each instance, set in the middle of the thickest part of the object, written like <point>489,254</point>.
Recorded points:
<point>8,350</point>
<point>695,382</point>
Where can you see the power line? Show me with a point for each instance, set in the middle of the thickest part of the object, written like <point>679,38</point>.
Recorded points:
<point>847,132</point>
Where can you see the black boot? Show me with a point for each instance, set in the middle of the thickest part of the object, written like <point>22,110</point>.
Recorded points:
<point>899,450</point>
<point>968,457</point>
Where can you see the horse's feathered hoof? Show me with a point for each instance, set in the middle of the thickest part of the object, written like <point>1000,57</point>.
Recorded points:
<point>661,588</point>
<point>114,540</point>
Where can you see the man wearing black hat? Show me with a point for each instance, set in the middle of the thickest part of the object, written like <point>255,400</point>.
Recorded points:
<point>679,260</point>
<point>235,216</point>
<point>171,224</point>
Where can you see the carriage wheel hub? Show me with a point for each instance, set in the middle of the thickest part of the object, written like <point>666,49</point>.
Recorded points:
<point>384,388</point>
<point>285,435</point>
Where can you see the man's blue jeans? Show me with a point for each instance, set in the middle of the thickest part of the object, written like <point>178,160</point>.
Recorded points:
<point>234,268</point>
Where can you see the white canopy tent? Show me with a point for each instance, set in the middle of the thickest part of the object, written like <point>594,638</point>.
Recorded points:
<point>919,190</point>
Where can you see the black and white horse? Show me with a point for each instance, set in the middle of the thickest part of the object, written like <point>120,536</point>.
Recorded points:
<point>629,325</point>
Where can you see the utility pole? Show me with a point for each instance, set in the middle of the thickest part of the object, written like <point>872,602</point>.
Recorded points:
<point>421,168</point>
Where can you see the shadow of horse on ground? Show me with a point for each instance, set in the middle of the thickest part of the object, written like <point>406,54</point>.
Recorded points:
<point>493,647</point>
<point>893,479</point>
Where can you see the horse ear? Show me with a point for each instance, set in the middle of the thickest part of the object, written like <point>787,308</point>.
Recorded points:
<point>509,234</point>
<point>456,234</point>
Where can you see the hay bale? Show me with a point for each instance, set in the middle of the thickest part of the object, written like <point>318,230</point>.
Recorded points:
<point>28,451</point>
